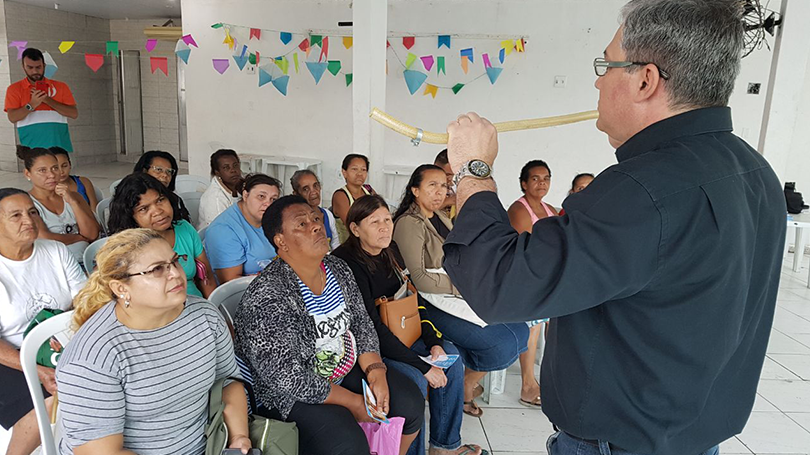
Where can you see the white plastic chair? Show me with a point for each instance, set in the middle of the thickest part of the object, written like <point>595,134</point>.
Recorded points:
<point>192,202</point>
<point>229,295</point>
<point>201,232</point>
<point>191,183</point>
<point>495,381</point>
<point>112,187</point>
<point>99,194</point>
<point>90,254</point>
<point>28,357</point>
<point>103,213</point>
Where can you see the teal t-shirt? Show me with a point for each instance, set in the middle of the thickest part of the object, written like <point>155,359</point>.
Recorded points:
<point>187,241</point>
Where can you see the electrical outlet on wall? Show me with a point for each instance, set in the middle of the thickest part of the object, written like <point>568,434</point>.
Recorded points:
<point>250,69</point>
<point>559,81</point>
<point>753,88</point>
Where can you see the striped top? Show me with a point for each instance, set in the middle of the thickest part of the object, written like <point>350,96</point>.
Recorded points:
<point>149,385</point>
<point>44,127</point>
<point>334,343</point>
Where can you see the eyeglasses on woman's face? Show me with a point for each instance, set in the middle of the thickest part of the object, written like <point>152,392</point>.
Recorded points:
<point>160,270</point>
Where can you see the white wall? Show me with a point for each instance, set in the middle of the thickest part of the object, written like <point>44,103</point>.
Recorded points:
<point>563,38</point>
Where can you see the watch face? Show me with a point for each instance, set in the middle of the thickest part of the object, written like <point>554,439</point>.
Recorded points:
<point>479,168</point>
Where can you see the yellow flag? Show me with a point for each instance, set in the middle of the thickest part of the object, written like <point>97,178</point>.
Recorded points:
<point>228,39</point>
<point>66,45</point>
<point>348,41</point>
<point>431,90</point>
<point>295,59</point>
<point>518,45</point>
<point>508,45</point>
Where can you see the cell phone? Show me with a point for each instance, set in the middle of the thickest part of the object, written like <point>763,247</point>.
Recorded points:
<point>239,452</point>
<point>42,87</point>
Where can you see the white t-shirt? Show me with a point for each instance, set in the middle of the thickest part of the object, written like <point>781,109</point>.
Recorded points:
<point>214,201</point>
<point>50,278</point>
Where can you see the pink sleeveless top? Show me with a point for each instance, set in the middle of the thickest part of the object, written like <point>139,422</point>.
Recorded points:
<point>525,203</point>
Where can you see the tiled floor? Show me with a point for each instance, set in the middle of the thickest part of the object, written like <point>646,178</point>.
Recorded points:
<point>780,423</point>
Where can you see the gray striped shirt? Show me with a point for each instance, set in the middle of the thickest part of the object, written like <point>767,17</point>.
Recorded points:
<point>149,385</point>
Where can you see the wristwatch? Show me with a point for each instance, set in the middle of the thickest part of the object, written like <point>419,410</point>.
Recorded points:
<point>474,168</point>
<point>28,107</point>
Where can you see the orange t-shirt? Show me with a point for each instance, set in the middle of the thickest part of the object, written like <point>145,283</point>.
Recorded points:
<point>44,127</point>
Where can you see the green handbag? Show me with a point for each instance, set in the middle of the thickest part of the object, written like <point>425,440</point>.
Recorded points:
<point>271,436</point>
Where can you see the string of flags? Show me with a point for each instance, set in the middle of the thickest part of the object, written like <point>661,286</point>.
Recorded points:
<point>276,70</point>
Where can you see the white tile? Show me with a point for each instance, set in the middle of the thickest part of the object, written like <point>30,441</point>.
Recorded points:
<point>516,430</point>
<point>787,396</point>
<point>773,370</point>
<point>510,398</point>
<point>772,432</point>
<point>783,344</point>
<point>796,363</point>
<point>802,418</point>
<point>472,432</point>
<point>733,445</point>
<point>763,405</point>
<point>788,323</point>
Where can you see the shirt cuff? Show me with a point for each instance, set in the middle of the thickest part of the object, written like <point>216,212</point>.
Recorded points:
<point>481,210</point>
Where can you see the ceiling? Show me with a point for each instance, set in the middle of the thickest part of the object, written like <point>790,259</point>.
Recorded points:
<point>114,9</point>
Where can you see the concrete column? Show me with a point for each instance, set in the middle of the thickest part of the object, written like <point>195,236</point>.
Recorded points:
<point>789,73</point>
<point>370,29</point>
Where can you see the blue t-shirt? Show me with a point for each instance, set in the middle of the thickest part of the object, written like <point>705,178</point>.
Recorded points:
<point>187,241</point>
<point>230,241</point>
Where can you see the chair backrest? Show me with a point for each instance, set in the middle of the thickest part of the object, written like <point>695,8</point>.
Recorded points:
<point>202,233</point>
<point>99,194</point>
<point>192,202</point>
<point>90,254</point>
<point>103,213</point>
<point>191,183</point>
<point>28,358</point>
<point>229,295</point>
<point>112,187</point>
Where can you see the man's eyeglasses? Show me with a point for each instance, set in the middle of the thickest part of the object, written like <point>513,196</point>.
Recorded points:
<point>162,170</point>
<point>160,270</point>
<point>600,67</point>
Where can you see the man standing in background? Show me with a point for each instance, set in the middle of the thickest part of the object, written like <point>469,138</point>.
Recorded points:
<point>39,106</point>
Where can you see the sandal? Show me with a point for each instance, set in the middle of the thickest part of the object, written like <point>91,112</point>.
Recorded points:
<point>532,404</point>
<point>475,412</point>
<point>471,449</point>
<point>478,390</point>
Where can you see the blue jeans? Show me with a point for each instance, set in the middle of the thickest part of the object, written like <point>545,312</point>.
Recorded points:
<point>489,348</point>
<point>446,403</point>
<point>561,443</point>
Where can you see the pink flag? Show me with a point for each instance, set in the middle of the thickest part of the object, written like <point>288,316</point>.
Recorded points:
<point>428,62</point>
<point>150,44</point>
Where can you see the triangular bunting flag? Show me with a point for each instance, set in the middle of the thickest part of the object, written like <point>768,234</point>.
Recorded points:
<point>348,41</point>
<point>189,40</point>
<point>280,83</point>
<point>493,73</point>
<point>444,40</point>
<point>334,67</point>
<point>217,25</point>
<point>283,64</point>
<point>112,47</point>
<point>255,33</point>
<point>485,58</point>
<point>465,61</point>
<point>285,38</point>
<point>151,44</point>
<point>440,65</point>
<point>316,69</point>
<point>431,90</point>
<point>349,78</point>
<point>20,45</point>
<point>409,61</point>
<point>159,63</point>
<point>519,45</point>
<point>414,79</point>
<point>221,64</point>
<point>408,42</point>
<point>457,88</point>
<point>264,77</point>
<point>315,40</point>
<point>50,65</point>
<point>241,61</point>
<point>427,62</point>
<point>94,61</point>
<point>502,55</point>
<point>65,46</point>
<point>183,54</point>
<point>304,45</point>
<point>468,53</point>
<point>324,50</point>
<point>508,45</point>
<point>295,59</point>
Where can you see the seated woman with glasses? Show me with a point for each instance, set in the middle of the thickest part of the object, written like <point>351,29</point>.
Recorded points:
<point>235,242</point>
<point>162,166</point>
<point>136,376</point>
<point>142,201</point>
<point>305,335</point>
<point>64,215</point>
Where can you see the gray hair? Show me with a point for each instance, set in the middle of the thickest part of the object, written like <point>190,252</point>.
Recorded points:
<point>297,176</point>
<point>698,42</point>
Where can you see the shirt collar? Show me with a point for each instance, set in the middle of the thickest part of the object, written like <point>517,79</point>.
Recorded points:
<point>29,84</point>
<point>691,123</point>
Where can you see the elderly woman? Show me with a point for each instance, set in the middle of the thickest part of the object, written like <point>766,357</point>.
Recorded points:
<point>378,274</point>
<point>151,353</point>
<point>306,184</point>
<point>304,332</point>
<point>34,275</point>
<point>142,201</point>
<point>420,228</point>
<point>226,178</point>
<point>64,215</point>
<point>235,241</point>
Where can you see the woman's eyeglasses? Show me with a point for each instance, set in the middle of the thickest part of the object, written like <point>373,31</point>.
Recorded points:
<point>160,270</point>
<point>162,170</point>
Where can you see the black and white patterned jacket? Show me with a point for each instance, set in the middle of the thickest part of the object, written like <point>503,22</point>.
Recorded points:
<point>275,335</point>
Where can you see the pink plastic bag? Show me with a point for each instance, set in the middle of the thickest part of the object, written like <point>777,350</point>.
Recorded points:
<point>384,439</point>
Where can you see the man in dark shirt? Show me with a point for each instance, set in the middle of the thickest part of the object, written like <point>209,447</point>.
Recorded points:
<point>662,276</point>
